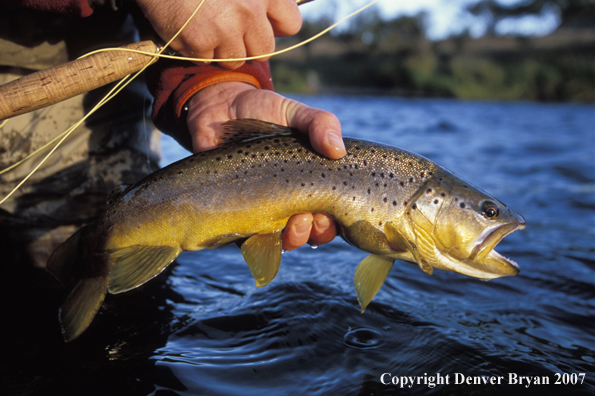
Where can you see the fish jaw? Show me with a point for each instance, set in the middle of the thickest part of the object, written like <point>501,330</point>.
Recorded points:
<point>484,262</point>
<point>489,261</point>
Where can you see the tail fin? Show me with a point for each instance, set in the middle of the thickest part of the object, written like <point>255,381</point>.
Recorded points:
<point>86,281</point>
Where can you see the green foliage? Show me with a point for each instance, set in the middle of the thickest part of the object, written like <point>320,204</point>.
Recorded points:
<point>396,59</point>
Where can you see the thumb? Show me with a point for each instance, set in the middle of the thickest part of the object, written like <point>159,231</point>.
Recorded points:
<point>323,128</point>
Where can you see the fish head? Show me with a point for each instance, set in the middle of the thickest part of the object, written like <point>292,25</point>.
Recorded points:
<point>456,227</point>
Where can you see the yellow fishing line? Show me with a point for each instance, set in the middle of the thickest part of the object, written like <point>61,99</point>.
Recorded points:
<point>111,94</point>
<point>126,80</point>
<point>248,58</point>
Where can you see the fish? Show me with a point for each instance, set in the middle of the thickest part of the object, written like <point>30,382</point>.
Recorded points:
<point>386,201</point>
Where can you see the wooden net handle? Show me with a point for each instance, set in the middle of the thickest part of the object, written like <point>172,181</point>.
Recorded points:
<point>50,86</point>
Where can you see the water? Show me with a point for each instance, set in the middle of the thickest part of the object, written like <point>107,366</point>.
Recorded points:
<point>203,328</point>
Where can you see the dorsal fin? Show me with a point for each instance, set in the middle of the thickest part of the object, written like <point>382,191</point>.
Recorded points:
<point>116,193</point>
<point>246,129</point>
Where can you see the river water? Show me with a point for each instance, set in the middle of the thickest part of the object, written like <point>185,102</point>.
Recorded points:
<point>203,328</point>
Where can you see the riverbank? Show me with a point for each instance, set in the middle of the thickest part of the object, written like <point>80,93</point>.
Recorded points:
<point>558,67</point>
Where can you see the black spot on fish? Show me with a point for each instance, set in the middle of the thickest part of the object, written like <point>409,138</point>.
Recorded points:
<point>334,188</point>
<point>357,147</point>
<point>405,203</point>
<point>323,175</point>
<point>230,156</point>
<point>456,199</point>
<point>369,191</point>
<point>385,185</point>
<point>443,195</point>
<point>394,203</point>
<point>373,174</point>
<point>422,174</point>
<point>344,183</point>
<point>365,163</point>
<point>372,210</point>
<point>465,186</point>
<point>410,180</point>
<point>462,205</point>
<point>414,206</point>
<point>180,172</point>
<point>303,185</point>
<point>436,201</point>
<point>354,198</point>
<point>282,169</point>
<point>385,199</point>
<point>266,148</point>
<point>402,184</point>
<point>429,191</point>
<point>286,180</point>
<point>391,175</point>
<point>218,159</point>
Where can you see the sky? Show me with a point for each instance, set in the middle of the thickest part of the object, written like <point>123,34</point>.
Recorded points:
<point>445,17</point>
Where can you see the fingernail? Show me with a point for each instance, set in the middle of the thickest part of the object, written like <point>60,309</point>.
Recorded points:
<point>303,228</point>
<point>336,141</point>
<point>323,222</point>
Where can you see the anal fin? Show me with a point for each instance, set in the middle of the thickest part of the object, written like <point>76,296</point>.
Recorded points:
<point>370,276</point>
<point>135,265</point>
<point>262,253</point>
<point>81,305</point>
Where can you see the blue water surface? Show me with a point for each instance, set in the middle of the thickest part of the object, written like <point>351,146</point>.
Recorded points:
<point>204,328</point>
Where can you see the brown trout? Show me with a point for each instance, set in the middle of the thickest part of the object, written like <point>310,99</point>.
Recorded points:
<point>391,203</point>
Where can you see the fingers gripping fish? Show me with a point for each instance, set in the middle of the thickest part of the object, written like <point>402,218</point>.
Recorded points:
<point>391,203</point>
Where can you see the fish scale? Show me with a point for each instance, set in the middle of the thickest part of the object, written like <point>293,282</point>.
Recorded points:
<point>382,198</point>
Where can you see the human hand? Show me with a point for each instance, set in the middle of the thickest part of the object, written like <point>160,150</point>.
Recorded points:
<point>221,102</point>
<point>223,29</point>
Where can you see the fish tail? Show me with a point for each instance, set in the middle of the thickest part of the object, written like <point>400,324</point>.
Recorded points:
<point>85,278</point>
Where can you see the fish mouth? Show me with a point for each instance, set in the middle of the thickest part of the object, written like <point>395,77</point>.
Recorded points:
<point>489,262</point>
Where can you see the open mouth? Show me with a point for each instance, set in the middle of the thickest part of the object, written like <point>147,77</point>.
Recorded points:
<point>490,261</point>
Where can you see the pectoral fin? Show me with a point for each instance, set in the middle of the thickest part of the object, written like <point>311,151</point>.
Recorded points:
<point>138,264</point>
<point>397,242</point>
<point>262,253</point>
<point>370,276</point>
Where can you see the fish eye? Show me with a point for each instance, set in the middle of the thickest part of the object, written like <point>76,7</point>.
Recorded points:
<point>490,210</point>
